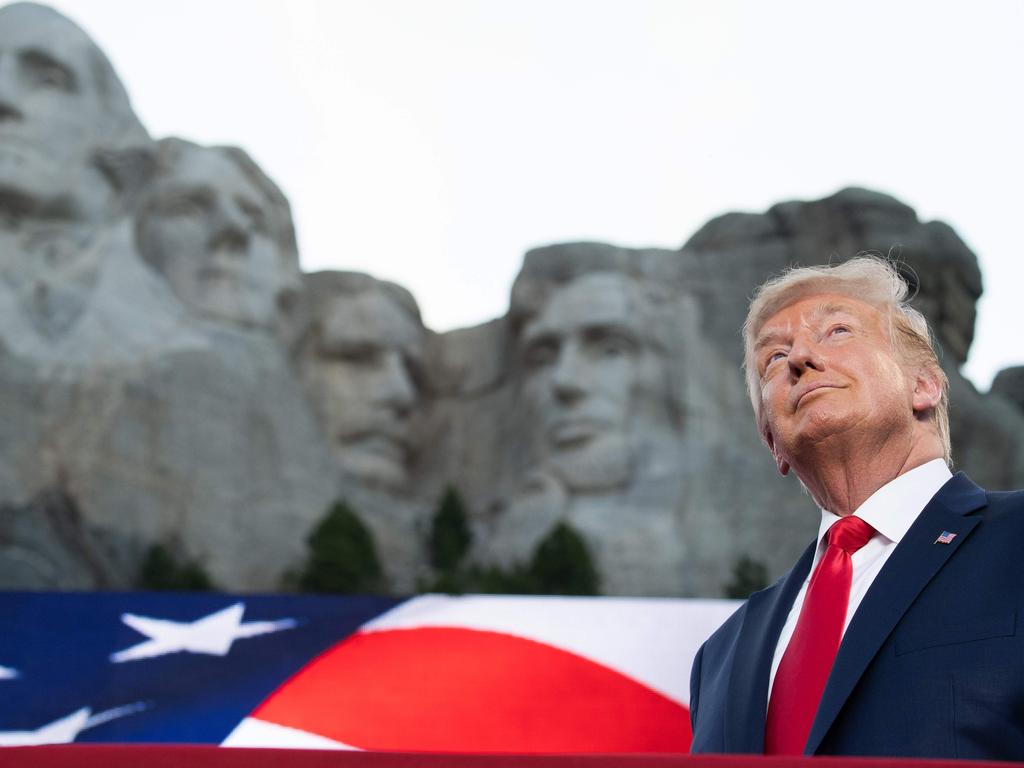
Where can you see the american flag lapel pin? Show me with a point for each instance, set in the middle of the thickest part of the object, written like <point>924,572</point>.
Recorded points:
<point>945,538</point>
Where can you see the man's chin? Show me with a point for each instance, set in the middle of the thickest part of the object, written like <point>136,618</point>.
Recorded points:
<point>230,301</point>
<point>600,465</point>
<point>819,426</point>
<point>375,470</point>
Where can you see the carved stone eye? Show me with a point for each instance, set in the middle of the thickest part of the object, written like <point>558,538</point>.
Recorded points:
<point>256,215</point>
<point>183,204</point>
<point>43,71</point>
<point>541,352</point>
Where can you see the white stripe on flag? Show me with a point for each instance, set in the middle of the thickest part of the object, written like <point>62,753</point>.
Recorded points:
<point>259,733</point>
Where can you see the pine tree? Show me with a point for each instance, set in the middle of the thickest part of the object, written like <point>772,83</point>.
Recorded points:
<point>342,555</point>
<point>748,576</point>
<point>561,564</point>
<point>162,571</point>
<point>450,536</point>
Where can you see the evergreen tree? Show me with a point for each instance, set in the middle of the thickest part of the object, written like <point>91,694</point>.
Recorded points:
<point>748,576</point>
<point>342,555</point>
<point>450,536</point>
<point>561,565</point>
<point>162,571</point>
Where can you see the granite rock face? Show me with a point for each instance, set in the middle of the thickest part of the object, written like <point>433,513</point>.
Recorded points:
<point>169,376</point>
<point>1009,384</point>
<point>143,381</point>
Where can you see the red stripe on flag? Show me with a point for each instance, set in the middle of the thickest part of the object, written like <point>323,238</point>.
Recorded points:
<point>462,690</point>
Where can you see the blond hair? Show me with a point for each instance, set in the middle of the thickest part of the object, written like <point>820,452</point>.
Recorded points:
<point>869,279</point>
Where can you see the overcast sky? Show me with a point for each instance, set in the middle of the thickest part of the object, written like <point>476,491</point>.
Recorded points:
<point>433,142</point>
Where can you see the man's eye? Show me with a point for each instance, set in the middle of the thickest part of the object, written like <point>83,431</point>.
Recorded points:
<point>255,214</point>
<point>770,361</point>
<point>359,355</point>
<point>183,205</point>
<point>47,73</point>
<point>614,347</point>
<point>541,354</point>
<point>609,343</point>
<point>836,329</point>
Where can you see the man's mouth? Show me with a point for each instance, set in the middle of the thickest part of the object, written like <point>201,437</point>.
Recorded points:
<point>388,442</point>
<point>811,389</point>
<point>569,433</point>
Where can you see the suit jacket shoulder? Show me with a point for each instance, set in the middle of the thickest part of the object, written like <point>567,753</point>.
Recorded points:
<point>932,663</point>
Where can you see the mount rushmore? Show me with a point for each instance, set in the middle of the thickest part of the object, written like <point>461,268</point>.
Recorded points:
<point>169,375</point>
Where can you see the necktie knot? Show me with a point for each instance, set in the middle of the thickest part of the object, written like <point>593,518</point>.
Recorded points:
<point>850,534</point>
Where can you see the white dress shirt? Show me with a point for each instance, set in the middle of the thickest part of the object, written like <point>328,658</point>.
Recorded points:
<point>890,510</point>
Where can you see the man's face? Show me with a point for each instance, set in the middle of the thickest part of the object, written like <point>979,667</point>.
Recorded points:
<point>50,110</point>
<point>362,374</point>
<point>828,372</point>
<point>206,228</point>
<point>586,365</point>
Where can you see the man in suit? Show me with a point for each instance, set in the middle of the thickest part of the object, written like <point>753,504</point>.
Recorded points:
<point>899,631</point>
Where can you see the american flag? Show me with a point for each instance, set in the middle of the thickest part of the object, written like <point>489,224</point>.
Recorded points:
<point>431,673</point>
<point>945,537</point>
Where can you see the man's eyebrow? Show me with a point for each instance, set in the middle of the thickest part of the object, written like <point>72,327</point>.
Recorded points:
<point>535,330</point>
<point>768,338</point>
<point>834,308</point>
<point>39,58</point>
<point>827,309</point>
<point>609,327</point>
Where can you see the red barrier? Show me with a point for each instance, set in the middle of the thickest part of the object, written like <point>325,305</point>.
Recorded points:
<point>105,756</point>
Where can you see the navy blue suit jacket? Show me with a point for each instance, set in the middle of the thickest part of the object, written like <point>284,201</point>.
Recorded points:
<point>931,665</point>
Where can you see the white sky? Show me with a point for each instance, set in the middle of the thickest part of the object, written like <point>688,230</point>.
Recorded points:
<point>431,142</point>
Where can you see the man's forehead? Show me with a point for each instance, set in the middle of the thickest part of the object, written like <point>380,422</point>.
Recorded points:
<point>810,309</point>
<point>30,27</point>
<point>206,167</point>
<point>594,300</point>
<point>370,318</point>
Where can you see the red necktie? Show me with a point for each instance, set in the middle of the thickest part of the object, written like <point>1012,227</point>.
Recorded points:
<point>807,661</point>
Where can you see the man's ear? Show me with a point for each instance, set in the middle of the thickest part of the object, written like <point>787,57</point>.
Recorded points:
<point>927,390</point>
<point>780,462</point>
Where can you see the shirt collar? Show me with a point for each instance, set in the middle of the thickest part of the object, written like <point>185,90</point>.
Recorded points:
<point>894,507</point>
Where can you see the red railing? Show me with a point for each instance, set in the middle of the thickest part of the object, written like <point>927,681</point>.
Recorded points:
<point>149,756</point>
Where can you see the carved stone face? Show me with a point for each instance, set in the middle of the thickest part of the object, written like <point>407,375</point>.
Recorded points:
<point>362,369</point>
<point>593,383</point>
<point>206,227</point>
<point>51,111</point>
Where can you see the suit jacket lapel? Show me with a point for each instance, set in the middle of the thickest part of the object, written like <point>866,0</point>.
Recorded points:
<point>916,559</point>
<point>747,701</point>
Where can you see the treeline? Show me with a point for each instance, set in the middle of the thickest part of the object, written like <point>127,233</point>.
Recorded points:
<point>342,558</point>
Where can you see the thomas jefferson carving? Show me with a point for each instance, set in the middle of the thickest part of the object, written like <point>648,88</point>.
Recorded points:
<point>360,359</point>
<point>221,234</point>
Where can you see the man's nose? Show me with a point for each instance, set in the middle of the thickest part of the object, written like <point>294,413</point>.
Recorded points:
<point>229,228</point>
<point>395,387</point>
<point>568,380</point>
<point>10,92</point>
<point>804,355</point>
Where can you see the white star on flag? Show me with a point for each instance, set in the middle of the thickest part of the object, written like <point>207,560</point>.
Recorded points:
<point>66,729</point>
<point>212,635</point>
<point>7,673</point>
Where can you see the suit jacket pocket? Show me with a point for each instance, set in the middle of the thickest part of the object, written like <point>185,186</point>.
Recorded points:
<point>955,630</point>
